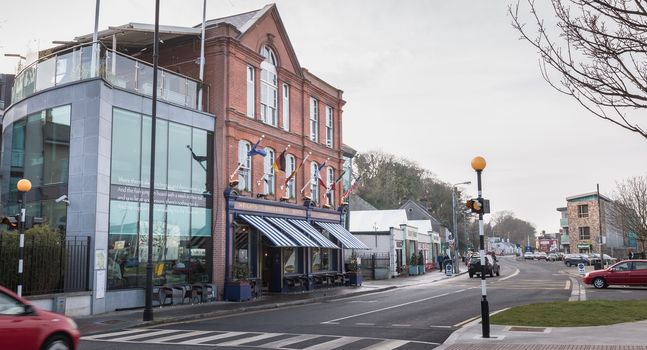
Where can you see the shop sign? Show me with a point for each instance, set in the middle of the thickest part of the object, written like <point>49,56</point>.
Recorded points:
<point>270,209</point>
<point>325,216</point>
<point>583,245</point>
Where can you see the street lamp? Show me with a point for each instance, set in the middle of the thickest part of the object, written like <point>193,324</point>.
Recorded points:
<point>23,186</point>
<point>456,269</point>
<point>478,164</point>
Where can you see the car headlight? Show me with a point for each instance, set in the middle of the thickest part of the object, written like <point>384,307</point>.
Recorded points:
<point>72,323</point>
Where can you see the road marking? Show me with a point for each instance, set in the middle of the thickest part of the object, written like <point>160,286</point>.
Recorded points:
<point>179,336</point>
<point>387,345</point>
<point>567,285</point>
<point>400,325</point>
<point>285,342</point>
<point>388,308</point>
<point>249,339</point>
<point>363,324</point>
<point>130,331</point>
<point>466,321</point>
<point>514,274</point>
<point>332,344</point>
<point>210,338</point>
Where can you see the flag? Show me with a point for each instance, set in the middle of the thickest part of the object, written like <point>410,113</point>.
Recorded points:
<point>319,179</point>
<point>297,169</point>
<point>352,188</point>
<point>254,150</point>
<point>334,184</point>
<point>279,163</point>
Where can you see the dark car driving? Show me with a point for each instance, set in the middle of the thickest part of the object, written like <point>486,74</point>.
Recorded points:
<point>491,266</point>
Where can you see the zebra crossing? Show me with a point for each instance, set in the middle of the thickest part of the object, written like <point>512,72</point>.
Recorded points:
<point>252,339</point>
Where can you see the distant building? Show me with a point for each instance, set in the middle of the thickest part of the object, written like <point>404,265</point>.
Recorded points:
<point>589,225</point>
<point>564,238</point>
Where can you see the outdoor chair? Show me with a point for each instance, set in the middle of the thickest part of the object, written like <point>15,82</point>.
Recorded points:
<point>198,292</point>
<point>161,294</point>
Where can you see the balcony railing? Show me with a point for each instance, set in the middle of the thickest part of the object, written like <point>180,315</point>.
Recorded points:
<point>563,222</point>
<point>129,73</point>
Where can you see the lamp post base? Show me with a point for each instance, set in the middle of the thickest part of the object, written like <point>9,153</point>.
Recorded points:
<point>485,318</point>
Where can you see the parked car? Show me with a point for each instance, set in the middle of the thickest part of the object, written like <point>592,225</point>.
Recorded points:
<point>627,272</point>
<point>491,266</point>
<point>595,258</point>
<point>541,256</point>
<point>552,257</point>
<point>574,259</point>
<point>25,326</point>
<point>529,256</point>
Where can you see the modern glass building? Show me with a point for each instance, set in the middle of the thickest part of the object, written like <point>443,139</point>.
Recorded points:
<point>82,137</point>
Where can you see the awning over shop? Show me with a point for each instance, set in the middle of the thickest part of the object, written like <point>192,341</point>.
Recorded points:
<point>346,238</point>
<point>305,227</point>
<point>293,232</point>
<point>275,236</point>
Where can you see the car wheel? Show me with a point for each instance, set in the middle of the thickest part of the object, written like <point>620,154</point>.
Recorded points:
<point>471,274</point>
<point>57,342</point>
<point>491,273</point>
<point>498,273</point>
<point>599,283</point>
<point>568,264</point>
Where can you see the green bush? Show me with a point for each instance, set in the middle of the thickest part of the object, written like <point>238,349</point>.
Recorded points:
<point>414,260</point>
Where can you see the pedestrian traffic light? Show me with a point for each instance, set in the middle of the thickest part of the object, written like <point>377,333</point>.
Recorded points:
<point>478,205</point>
<point>10,221</point>
<point>474,205</point>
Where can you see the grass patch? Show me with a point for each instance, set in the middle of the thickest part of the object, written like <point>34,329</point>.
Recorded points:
<point>573,313</point>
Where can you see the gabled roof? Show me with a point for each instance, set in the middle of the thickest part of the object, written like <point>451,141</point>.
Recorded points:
<point>376,220</point>
<point>411,203</point>
<point>242,21</point>
<point>586,197</point>
<point>358,203</point>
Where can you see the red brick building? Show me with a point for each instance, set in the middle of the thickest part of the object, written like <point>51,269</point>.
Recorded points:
<point>258,90</point>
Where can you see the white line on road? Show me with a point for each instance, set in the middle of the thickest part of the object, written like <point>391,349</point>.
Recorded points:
<point>364,324</point>
<point>388,308</point>
<point>514,274</point>
<point>567,285</point>
<point>400,325</point>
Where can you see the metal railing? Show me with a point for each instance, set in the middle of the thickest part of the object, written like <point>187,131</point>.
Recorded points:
<point>122,71</point>
<point>51,265</point>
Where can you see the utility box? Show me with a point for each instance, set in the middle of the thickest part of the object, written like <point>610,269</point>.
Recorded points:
<point>59,305</point>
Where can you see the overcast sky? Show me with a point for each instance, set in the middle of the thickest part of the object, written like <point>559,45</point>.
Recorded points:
<point>437,82</point>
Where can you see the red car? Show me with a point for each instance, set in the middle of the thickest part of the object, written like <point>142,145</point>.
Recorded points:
<point>627,272</point>
<point>26,327</point>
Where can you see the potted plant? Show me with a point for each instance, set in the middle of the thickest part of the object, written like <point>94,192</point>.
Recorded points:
<point>421,263</point>
<point>413,265</point>
<point>353,272</point>
<point>239,289</point>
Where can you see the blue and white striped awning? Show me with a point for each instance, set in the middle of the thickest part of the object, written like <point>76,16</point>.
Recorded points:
<point>346,238</point>
<point>275,236</point>
<point>313,233</point>
<point>292,231</point>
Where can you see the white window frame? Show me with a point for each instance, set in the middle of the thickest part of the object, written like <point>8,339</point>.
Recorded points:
<point>269,88</point>
<point>251,88</point>
<point>245,171</point>
<point>330,197</point>
<point>268,171</point>
<point>329,127</point>
<point>286,107</point>
<point>290,167</point>
<point>314,184</point>
<point>314,119</point>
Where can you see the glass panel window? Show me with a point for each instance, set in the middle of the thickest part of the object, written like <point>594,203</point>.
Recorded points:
<point>125,266</point>
<point>269,94</point>
<point>161,152</point>
<point>329,126</point>
<point>585,233</point>
<point>268,171</point>
<point>68,67</point>
<point>179,158</point>
<point>45,72</point>
<point>199,162</point>
<point>245,166</point>
<point>290,166</point>
<point>56,145</point>
<point>250,91</point>
<point>314,120</point>
<point>583,211</point>
<point>126,148</point>
<point>290,261</point>
<point>315,258</point>
<point>286,107</point>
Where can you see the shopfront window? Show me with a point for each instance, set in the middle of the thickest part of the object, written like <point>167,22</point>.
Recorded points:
<point>320,258</point>
<point>290,261</point>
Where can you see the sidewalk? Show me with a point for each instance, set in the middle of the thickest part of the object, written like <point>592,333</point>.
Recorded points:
<point>131,318</point>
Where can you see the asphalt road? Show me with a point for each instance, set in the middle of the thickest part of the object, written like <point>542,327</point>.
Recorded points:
<point>415,317</point>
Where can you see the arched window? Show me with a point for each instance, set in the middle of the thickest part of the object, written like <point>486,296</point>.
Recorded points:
<point>269,87</point>
<point>268,171</point>
<point>330,180</point>
<point>314,185</point>
<point>290,166</point>
<point>245,161</point>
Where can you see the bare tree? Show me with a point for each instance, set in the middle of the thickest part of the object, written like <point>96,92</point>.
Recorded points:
<point>596,53</point>
<point>629,214</point>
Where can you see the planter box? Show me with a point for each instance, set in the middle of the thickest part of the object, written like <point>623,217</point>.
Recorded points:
<point>413,270</point>
<point>355,278</point>
<point>421,269</point>
<point>238,291</point>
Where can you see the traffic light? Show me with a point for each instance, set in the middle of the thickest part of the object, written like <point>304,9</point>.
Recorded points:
<point>478,205</point>
<point>11,221</point>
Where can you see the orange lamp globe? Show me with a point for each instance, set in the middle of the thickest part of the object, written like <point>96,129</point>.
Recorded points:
<point>478,163</point>
<point>23,185</point>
